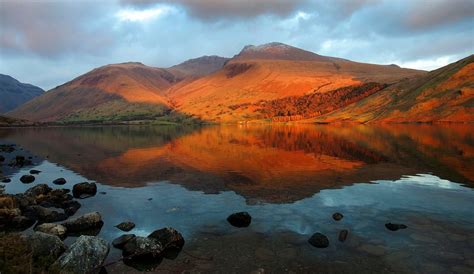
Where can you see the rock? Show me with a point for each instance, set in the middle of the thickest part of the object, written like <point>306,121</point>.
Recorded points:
<point>319,240</point>
<point>27,179</point>
<point>343,235</point>
<point>122,240</point>
<point>52,229</point>
<point>86,255</point>
<point>169,238</point>
<point>59,181</point>
<point>70,207</point>
<point>41,189</point>
<point>84,190</point>
<point>45,246</point>
<point>21,222</point>
<point>141,248</point>
<point>395,227</point>
<point>2,159</point>
<point>89,221</point>
<point>6,180</point>
<point>337,216</point>
<point>125,226</point>
<point>34,171</point>
<point>240,219</point>
<point>46,215</point>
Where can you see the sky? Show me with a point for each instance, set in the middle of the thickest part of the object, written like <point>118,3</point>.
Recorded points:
<point>49,42</point>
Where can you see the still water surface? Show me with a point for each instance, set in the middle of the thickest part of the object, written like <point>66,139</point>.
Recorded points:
<point>291,179</point>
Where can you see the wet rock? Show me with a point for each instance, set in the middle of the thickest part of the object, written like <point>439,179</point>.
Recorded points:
<point>122,240</point>
<point>27,179</point>
<point>337,216</point>
<point>70,207</point>
<point>2,159</point>
<point>21,223</point>
<point>141,248</point>
<point>59,181</point>
<point>35,171</point>
<point>89,221</point>
<point>84,190</point>
<point>6,180</point>
<point>125,226</point>
<point>240,219</point>
<point>86,255</point>
<point>343,235</point>
<point>41,189</point>
<point>45,246</point>
<point>47,215</point>
<point>169,238</point>
<point>395,227</point>
<point>319,240</point>
<point>52,229</point>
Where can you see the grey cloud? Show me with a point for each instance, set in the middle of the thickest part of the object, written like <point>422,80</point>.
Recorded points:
<point>429,14</point>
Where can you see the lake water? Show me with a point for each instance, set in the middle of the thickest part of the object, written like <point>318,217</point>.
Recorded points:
<point>291,179</point>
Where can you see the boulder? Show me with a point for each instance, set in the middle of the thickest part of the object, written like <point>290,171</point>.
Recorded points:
<point>337,216</point>
<point>84,190</point>
<point>41,189</point>
<point>86,255</point>
<point>168,237</point>
<point>47,215</point>
<point>35,171</point>
<point>52,229</point>
<point>89,221</point>
<point>240,219</point>
<point>27,179</point>
<point>2,159</point>
<point>59,181</point>
<point>319,240</point>
<point>125,226</point>
<point>343,235</point>
<point>45,246</point>
<point>6,180</point>
<point>142,248</point>
<point>70,207</point>
<point>20,223</point>
<point>395,227</point>
<point>122,240</point>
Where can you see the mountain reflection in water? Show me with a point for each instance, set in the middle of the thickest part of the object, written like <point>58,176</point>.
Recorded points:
<point>263,163</point>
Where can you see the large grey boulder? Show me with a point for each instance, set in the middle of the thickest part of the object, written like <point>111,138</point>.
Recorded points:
<point>169,238</point>
<point>86,255</point>
<point>142,248</point>
<point>45,247</point>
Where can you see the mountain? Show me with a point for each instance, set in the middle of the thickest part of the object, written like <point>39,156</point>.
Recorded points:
<point>200,66</point>
<point>259,74</point>
<point>442,95</point>
<point>14,93</point>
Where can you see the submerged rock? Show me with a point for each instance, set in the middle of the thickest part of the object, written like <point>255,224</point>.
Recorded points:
<point>89,221</point>
<point>240,219</point>
<point>337,216</point>
<point>6,180</point>
<point>84,190</point>
<point>52,229</point>
<point>34,171</point>
<point>343,235</point>
<point>45,246</point>
<point>395,227</point>
<point>142,248</point>
<point>125,226</point>
<point>319,240</point>
<point>2,159</point>
<point>59,181</point>
<point>27,179</point>
<point>168,237</point>
<point>122,240</point>
<point>86,255</point>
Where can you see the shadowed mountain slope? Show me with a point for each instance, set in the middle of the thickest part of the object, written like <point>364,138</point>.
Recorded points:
<point>13,93</point>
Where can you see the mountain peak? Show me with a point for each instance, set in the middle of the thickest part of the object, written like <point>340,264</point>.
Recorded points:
<point>278,51</point>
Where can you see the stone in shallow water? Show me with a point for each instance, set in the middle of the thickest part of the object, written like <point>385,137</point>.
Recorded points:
<point>35,171</point>
<point>59,181</point>
<point>142,248</point>
<point>6,180</point>
<point>168,237</point>
<point>395,227</point>
<point>343,235</point>
<point>46,215</point>
<point>122,240</point>
<point>86,255</point>
<point>337,216</point>
<point>125,226</point>
<point>27,179</point>
<point>52,229</point>
<point>84,190</point>
<point>240,219</point>
<point>319,240</point>
<point>45,245</point>
<point>89,221</point>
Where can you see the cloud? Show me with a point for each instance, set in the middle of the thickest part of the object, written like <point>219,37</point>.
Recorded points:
<point>429,14</point>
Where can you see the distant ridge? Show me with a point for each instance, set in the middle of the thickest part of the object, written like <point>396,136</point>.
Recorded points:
<point>14,93</point>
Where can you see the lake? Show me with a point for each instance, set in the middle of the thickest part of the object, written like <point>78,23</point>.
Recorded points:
<point>289,178</point>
